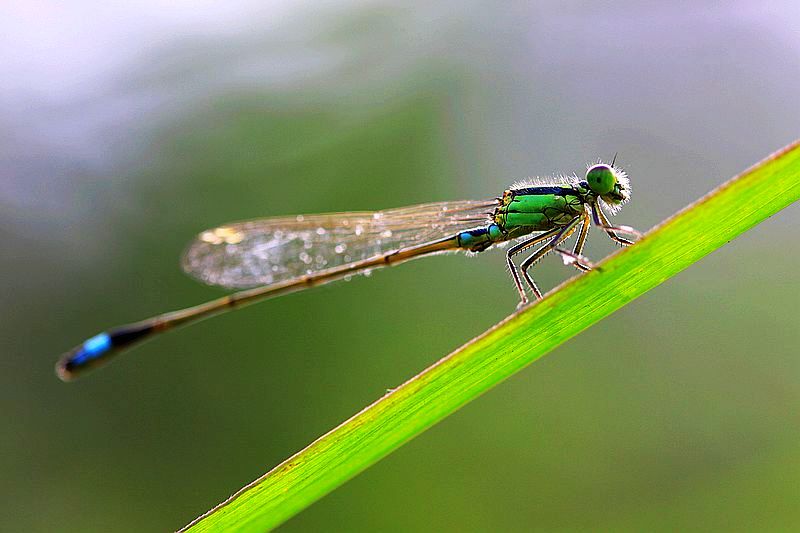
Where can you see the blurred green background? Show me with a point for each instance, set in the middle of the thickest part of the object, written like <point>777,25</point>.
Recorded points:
<point>126,130</point>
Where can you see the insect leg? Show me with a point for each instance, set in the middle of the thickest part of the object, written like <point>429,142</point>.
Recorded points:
<point>574,257</point>
<point>517,248</point>
<point>601,221</point>
<point>560,237</point>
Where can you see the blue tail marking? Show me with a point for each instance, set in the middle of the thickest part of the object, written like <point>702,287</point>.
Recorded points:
<point>92,349</point>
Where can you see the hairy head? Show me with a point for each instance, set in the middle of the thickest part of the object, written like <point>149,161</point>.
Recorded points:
<point>610,184</point>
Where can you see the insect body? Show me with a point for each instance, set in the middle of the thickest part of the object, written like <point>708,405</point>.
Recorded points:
<point>555,212</point>
<point>274,256</point>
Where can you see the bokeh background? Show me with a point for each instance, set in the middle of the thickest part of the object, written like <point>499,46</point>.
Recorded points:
<point>128,129</point>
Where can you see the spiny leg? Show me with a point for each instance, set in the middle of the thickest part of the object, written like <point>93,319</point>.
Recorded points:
<point>575,258</point>
<point>581,262</point>
<point>517,248</point>
<point>562,235</point>
<point>601,221</point>
<point>536,256</point>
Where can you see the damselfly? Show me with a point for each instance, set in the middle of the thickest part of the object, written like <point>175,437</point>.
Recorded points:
<point>274,256</point>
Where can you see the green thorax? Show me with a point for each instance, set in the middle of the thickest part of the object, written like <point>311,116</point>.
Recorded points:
<point>530,209</point>
<point>525,210</point>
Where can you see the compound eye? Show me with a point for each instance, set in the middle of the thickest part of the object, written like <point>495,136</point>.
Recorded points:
<point>601,179</point>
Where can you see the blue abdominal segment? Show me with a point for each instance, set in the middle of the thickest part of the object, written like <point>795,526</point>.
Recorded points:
<point>102,347</point>
<point>92,349</point>
<point>479,239</point>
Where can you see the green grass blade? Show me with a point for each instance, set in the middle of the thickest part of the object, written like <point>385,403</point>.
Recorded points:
<point>525,336</point>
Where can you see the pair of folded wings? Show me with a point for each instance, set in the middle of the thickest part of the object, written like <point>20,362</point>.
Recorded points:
<point>271,250</point>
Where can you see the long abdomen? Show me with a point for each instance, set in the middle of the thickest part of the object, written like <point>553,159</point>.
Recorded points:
<point>101,348</point>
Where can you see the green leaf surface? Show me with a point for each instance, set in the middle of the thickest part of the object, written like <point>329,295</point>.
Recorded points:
<point>511,345</point>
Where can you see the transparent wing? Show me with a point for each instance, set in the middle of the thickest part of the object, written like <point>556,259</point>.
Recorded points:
<point>269,250</point>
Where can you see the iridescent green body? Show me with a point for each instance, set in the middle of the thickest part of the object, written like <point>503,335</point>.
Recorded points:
<point>553,213</point>
<point>273,256</point>
<point>528,210</point>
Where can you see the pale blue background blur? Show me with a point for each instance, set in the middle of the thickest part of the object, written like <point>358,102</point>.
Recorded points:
<point>126,130</point>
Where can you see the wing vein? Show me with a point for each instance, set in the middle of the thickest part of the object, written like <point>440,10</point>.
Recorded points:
<point>260,252</point>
